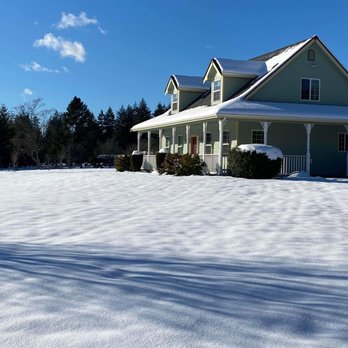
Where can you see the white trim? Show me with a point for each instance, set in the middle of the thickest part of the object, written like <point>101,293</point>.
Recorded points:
<point>160,135</point>
<point>173,138</point>
<point>148,145</point>
<point>265,126</point>
<point>213,91</point>
<point>138,140</point>
<point>310,89</point>
<point>188,127</point>
<point>308,127</point>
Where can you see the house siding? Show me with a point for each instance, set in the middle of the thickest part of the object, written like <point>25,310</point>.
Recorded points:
<point>285,86</point>
<point>231,85</point>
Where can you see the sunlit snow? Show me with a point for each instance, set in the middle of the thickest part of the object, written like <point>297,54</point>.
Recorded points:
<point>95,258</point>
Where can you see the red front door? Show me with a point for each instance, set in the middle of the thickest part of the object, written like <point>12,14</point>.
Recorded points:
<point>193,145</point>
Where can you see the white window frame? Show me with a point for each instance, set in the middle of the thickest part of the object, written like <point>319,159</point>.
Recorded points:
<point>310,89</point>
<point>213,91</point>
<point>167,143</point>
<point>175,101</point>
<point>259,131</point>
<point>208,146</point>
<point>180,145</point>
<point>345,142</point>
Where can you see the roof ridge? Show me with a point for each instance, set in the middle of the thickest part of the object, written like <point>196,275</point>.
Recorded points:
<point>269,55</point>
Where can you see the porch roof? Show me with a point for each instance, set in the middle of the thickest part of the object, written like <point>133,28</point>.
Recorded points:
<point>242,109</point>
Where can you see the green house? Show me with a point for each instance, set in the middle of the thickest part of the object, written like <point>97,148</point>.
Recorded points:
<point>295,98</point>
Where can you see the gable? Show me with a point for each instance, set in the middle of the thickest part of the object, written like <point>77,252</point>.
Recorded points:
<point>285,85</point>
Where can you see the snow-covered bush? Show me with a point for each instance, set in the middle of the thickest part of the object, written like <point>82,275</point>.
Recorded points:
<point>182,165</point>
<point>123,163</point>
<point>254,161</point>
<point>136,161</point>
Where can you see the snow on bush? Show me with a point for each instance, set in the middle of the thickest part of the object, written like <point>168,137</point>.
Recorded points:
<point>271,152</point>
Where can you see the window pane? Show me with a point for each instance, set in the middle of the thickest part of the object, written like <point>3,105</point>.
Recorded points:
<point>226,137</point>
<point>208,138</point>
<point>216,95</point>
<point>342,142</point>
<point>257,137</point>
<point>314,89</point>
<point>305,89</point>
<point>217,85</point>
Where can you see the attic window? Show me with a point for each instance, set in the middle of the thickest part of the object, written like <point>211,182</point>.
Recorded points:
<point>216,85</point>
<point>175,102</point>
<point>311,55</point>
<point>310,89</point>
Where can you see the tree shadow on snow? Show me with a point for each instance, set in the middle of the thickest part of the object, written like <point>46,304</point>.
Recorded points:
<point>195,296</point>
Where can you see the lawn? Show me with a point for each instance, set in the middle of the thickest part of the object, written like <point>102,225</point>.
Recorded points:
<point>95,258</point>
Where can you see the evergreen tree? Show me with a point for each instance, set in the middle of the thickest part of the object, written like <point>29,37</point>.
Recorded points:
<point>58,139</point>
<point>106,124</point>
<point>125,120</point>
<point>6,133</point>
<point>83,129</point>
<point>141,112</point>
<point>160,109</point>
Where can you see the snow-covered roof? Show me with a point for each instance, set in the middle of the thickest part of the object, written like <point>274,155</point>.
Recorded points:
<point>244,68</point>
<point>239,106</point>
<point>189,83</point>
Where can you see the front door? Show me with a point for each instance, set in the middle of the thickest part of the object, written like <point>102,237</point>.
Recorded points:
<point>193,145</point>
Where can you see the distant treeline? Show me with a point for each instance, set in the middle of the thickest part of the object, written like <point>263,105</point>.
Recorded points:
<point>31,135</point>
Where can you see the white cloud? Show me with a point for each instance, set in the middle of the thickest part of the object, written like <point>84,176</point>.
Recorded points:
<point>65,69</point>
<point>27,92</point>
<point>102,31</point>
<point>64,47</point>
<point>70,20</point>
<point>34,66</point>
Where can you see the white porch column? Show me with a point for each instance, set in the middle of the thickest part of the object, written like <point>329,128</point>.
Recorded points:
<point>139,136</point>
<point>265,126</point>
<point>173,139</point>
<point>148,145</point>
<point>187,137</point>
<point>221,130</point>
<point>346,127</point>
<point>205,125</point>
<point>160,134</point>
<point>308,127</point>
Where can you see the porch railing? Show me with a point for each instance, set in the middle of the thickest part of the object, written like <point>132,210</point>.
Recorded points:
<point>293,163</point>
<point>149,163</point>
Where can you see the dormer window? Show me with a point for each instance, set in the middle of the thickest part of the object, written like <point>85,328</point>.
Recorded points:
<point>175,102</point>
<point>216,90</point>
<point>311,55</point>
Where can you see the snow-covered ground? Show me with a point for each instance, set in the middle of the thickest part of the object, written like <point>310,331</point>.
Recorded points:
<point>95,258</point>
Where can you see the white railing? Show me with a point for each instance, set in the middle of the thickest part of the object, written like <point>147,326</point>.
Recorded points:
<point>149,162</point>
<point>212,162</point>
<point>293,163</point>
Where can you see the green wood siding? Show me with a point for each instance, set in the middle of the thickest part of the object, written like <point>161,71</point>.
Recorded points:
<point>285,86</point>
<point>231,85</point>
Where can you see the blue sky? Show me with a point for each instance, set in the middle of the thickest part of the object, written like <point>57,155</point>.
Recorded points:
<point>113,53</point>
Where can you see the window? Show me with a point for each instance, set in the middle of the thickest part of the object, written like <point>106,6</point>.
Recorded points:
<point>180,144</point>
<point>167,143</point>
<point>216,90</point>
<point>310,89</point>
<point>175,102</point>
<point>311,55</point>
<point>225,142</point>
<point>257,137</point>
<point>342,142</point>
<point>208,144</point>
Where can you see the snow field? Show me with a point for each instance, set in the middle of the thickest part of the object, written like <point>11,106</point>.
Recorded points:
<point>95,258</point>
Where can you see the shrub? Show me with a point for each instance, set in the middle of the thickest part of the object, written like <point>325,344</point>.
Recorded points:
<point>182,165</point>
<point>160,157</point>
<point>136,161</point>
<point>123,163</point>
<point>252,165</point>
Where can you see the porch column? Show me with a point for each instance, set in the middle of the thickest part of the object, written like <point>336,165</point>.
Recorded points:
<point>173,138</point>
<point>160,134</point>
<point>221,130</point>
<point>346,127</point>
<point>308,127</point>
<point>205,124</point>
<point>139,136</point>
<point>265,126</point>
<point>148,145</point>
<point>187,137</point>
